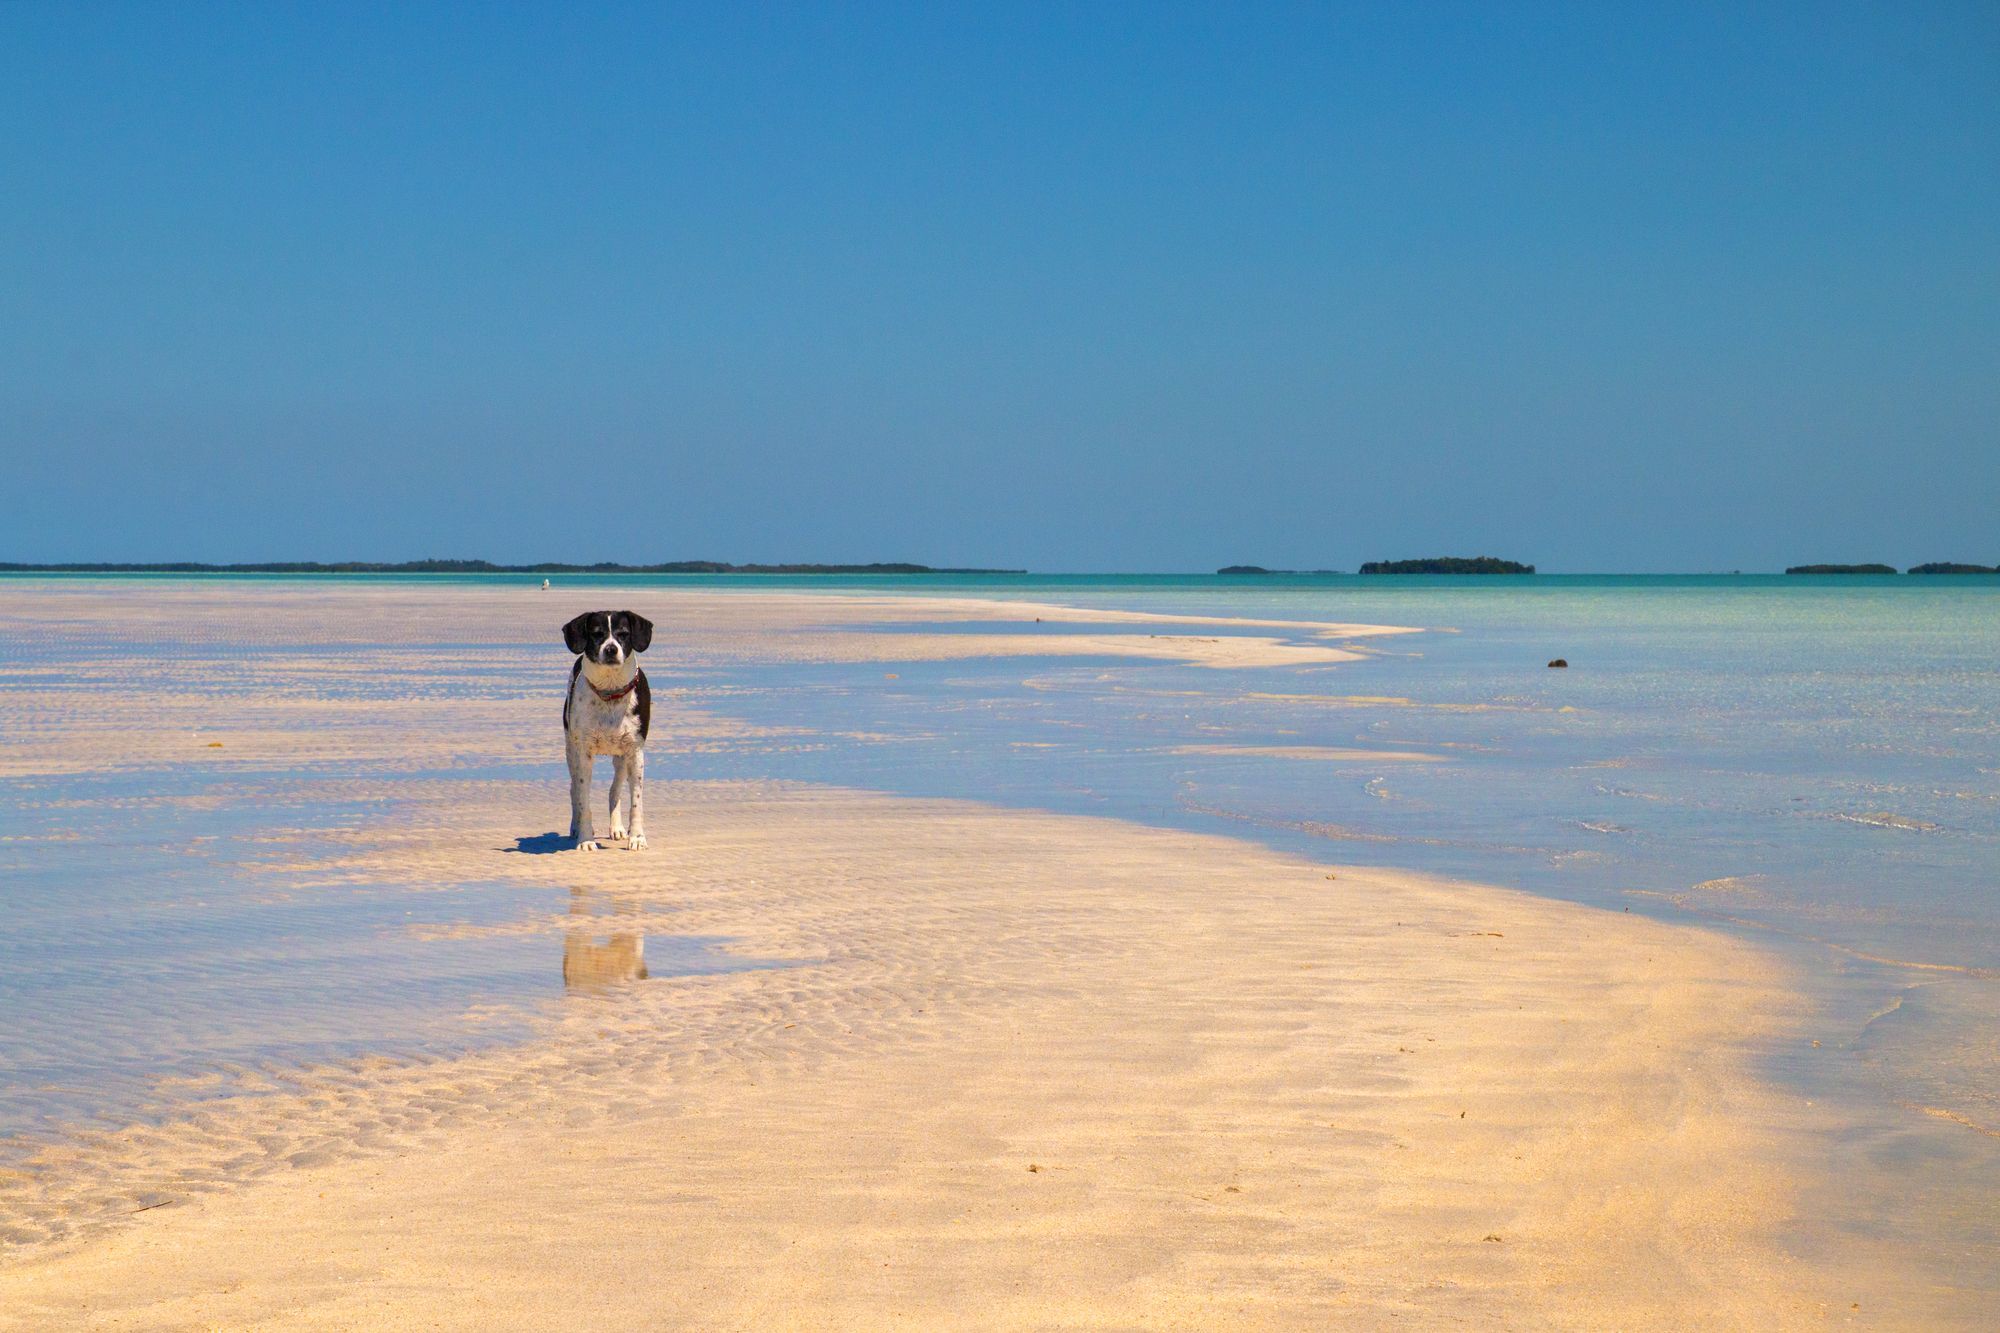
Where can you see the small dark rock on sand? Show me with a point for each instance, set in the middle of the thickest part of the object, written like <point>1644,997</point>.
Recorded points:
<point>1560,662</point>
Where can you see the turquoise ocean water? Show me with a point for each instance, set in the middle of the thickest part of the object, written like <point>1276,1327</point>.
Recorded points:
<point>1811,763</point>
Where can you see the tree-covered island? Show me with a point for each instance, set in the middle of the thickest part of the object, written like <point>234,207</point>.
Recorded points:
<point>479,567</point>
<point>1448,564</point>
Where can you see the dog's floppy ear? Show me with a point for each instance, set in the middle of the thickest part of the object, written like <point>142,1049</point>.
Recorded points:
<point>640,636</point>
<point>573,633</point>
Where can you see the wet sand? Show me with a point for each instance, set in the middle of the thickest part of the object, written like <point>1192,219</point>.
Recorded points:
<point>1001,1068</point>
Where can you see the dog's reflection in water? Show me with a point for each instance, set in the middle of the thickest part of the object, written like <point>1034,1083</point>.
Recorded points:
<point>594,961</point>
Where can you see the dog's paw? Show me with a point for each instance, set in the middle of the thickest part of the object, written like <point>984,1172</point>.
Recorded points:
<point>638,843</point>
<point>617,833</point>
<point>589,845</point>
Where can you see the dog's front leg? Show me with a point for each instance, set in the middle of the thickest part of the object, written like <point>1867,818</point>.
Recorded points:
<point>580,830</point>
<point>621,779</point>
<point>635,796</point>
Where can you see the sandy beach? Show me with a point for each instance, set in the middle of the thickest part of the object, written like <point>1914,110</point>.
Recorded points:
<point>990,1068</point>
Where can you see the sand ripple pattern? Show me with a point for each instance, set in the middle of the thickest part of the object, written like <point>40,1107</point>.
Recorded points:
<point>1241,1084</point>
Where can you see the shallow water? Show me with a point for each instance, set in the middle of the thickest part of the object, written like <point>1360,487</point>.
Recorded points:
<point>147,959</point>
<point>1812,763</point>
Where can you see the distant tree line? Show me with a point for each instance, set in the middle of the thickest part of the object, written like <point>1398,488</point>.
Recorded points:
<point>477,567</point>
<point>1448,564</point>
<point>1259,569</point>
<point>1935,567</point>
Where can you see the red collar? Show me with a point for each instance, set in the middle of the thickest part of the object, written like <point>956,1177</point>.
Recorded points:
<point>614,695</point>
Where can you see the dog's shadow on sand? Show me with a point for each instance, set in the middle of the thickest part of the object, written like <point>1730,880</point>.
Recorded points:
<point>542,844</point>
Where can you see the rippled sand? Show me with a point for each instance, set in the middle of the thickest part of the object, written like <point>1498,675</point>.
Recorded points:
<point>999,1068</point>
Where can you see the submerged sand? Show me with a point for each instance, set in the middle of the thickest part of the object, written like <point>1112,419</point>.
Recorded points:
<point>1000,1069</point>
<point>1021,1070</point>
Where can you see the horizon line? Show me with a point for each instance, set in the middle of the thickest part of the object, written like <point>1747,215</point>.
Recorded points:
<point>433,567</point>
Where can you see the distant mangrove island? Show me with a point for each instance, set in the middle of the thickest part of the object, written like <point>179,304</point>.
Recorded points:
<point>1448,564</point>
<point>1259,569</point>
<point>1935,567</point>
<point>478,567</point>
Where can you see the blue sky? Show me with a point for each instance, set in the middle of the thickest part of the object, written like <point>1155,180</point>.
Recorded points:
<point>1068,287</point>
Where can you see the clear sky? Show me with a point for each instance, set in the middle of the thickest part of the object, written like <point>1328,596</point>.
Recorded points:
<point>1069,287</point>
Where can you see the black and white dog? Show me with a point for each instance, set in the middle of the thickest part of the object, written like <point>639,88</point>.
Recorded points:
<point>609,710</point>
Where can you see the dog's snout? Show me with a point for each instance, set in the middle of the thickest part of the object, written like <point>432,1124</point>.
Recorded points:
<point>610,652</point>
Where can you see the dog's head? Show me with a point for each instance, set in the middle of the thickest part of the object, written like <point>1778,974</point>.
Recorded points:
<point>608,637</point>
